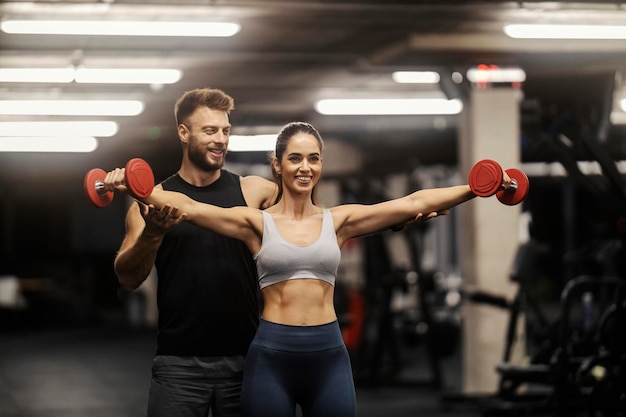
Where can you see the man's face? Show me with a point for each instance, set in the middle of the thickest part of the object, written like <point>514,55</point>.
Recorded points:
<point>206,132</point>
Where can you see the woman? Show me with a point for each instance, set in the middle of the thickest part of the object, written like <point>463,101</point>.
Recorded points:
<point>298,355</point>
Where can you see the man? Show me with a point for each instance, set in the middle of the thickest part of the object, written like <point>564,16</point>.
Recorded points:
<point>207,284</point>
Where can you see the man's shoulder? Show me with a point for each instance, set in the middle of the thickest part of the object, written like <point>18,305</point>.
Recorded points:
<point>258,191</point>
<point>170,178</point>
<point>228,174</point>
<point>257,182</point>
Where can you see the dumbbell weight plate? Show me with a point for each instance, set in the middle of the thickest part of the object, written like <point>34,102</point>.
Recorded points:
<point>91,179</point>
<point>517,196</point>
<point>139,178</point>
<point>485,178</point>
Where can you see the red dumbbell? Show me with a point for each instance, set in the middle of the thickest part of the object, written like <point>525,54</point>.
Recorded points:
<point>138,177</point>
<point>486,178</point>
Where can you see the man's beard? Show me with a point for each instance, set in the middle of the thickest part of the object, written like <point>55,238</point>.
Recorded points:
<point>199,159</point>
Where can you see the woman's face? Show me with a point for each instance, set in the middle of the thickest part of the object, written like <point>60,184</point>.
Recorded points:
<point>301,164</point>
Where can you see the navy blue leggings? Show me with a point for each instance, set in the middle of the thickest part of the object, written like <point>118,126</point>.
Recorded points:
<point>305,365</point>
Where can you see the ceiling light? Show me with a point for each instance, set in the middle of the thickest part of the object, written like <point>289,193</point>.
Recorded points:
<point>417,106</point>
<point>37,75</point>
<point>127,76</point>
<point>63,129</point>
<point>239,143</point>
<point>72,107</point>
<point>538,31</point>
<point>120,28</point>
<point>618,118</point>
<point>416,77</point>
<point>48,144</point>
<point>91,75</point>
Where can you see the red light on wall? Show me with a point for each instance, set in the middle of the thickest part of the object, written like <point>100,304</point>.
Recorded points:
<point>484,75</point>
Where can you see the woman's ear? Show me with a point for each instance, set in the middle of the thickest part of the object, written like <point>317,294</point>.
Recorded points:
<point>276,166</point>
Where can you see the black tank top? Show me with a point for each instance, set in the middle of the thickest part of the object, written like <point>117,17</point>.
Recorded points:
<point>207,284</point>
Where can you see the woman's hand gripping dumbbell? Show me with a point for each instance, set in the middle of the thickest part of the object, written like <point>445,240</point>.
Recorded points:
<point>487,178</point>
<point>136,178</point>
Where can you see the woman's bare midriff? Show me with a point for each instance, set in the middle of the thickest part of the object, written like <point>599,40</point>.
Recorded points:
<point>299,302</point>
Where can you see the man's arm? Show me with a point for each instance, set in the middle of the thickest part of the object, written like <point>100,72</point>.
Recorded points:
<point>145,228</point>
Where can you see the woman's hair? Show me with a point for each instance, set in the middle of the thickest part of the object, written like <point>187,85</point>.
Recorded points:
<point>212,98</point>
<point>284,136</point>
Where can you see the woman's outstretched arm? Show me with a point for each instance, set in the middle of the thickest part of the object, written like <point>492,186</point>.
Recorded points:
<point>354,220</point>
<point>243,223</point>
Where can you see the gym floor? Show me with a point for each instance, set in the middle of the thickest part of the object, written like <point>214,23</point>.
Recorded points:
<point>104,371</point>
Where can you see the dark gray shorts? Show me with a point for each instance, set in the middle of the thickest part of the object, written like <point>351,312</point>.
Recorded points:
<point>184,386</point>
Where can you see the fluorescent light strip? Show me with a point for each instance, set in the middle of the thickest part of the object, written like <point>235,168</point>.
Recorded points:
<point>120,28</point>
<point>90,75</point>
<point>496,75</point>
<point>537,31</point>
<point>72,107</point>
<point>416,77</point>
<point>240,143</point>
<point>389,106</point>
<point>48,144</point>
<point>127,76</point>
<point>59,129</point>
<point>37,75</point>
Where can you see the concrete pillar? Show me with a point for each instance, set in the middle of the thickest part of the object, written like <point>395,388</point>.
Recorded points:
<point>489,128</point>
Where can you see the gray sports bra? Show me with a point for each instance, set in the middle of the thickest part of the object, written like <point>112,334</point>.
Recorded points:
<point>279,260</point>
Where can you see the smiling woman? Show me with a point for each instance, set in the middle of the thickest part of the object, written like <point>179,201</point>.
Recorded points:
<point>298,355</point>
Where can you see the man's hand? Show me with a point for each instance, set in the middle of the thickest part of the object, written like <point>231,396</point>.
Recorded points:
<point>420,219</point>
<point>160,221</point>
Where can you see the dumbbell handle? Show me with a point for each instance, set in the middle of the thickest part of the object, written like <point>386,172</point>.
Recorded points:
<point>99,187</point>
<point>512,188</point>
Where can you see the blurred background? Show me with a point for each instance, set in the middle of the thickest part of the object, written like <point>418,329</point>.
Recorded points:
<point>72,99</point>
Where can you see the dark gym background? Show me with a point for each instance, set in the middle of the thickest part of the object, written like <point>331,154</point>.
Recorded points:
<point>71,344</point>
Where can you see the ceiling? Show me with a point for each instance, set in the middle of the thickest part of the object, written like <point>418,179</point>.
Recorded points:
<point>290,53</point>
